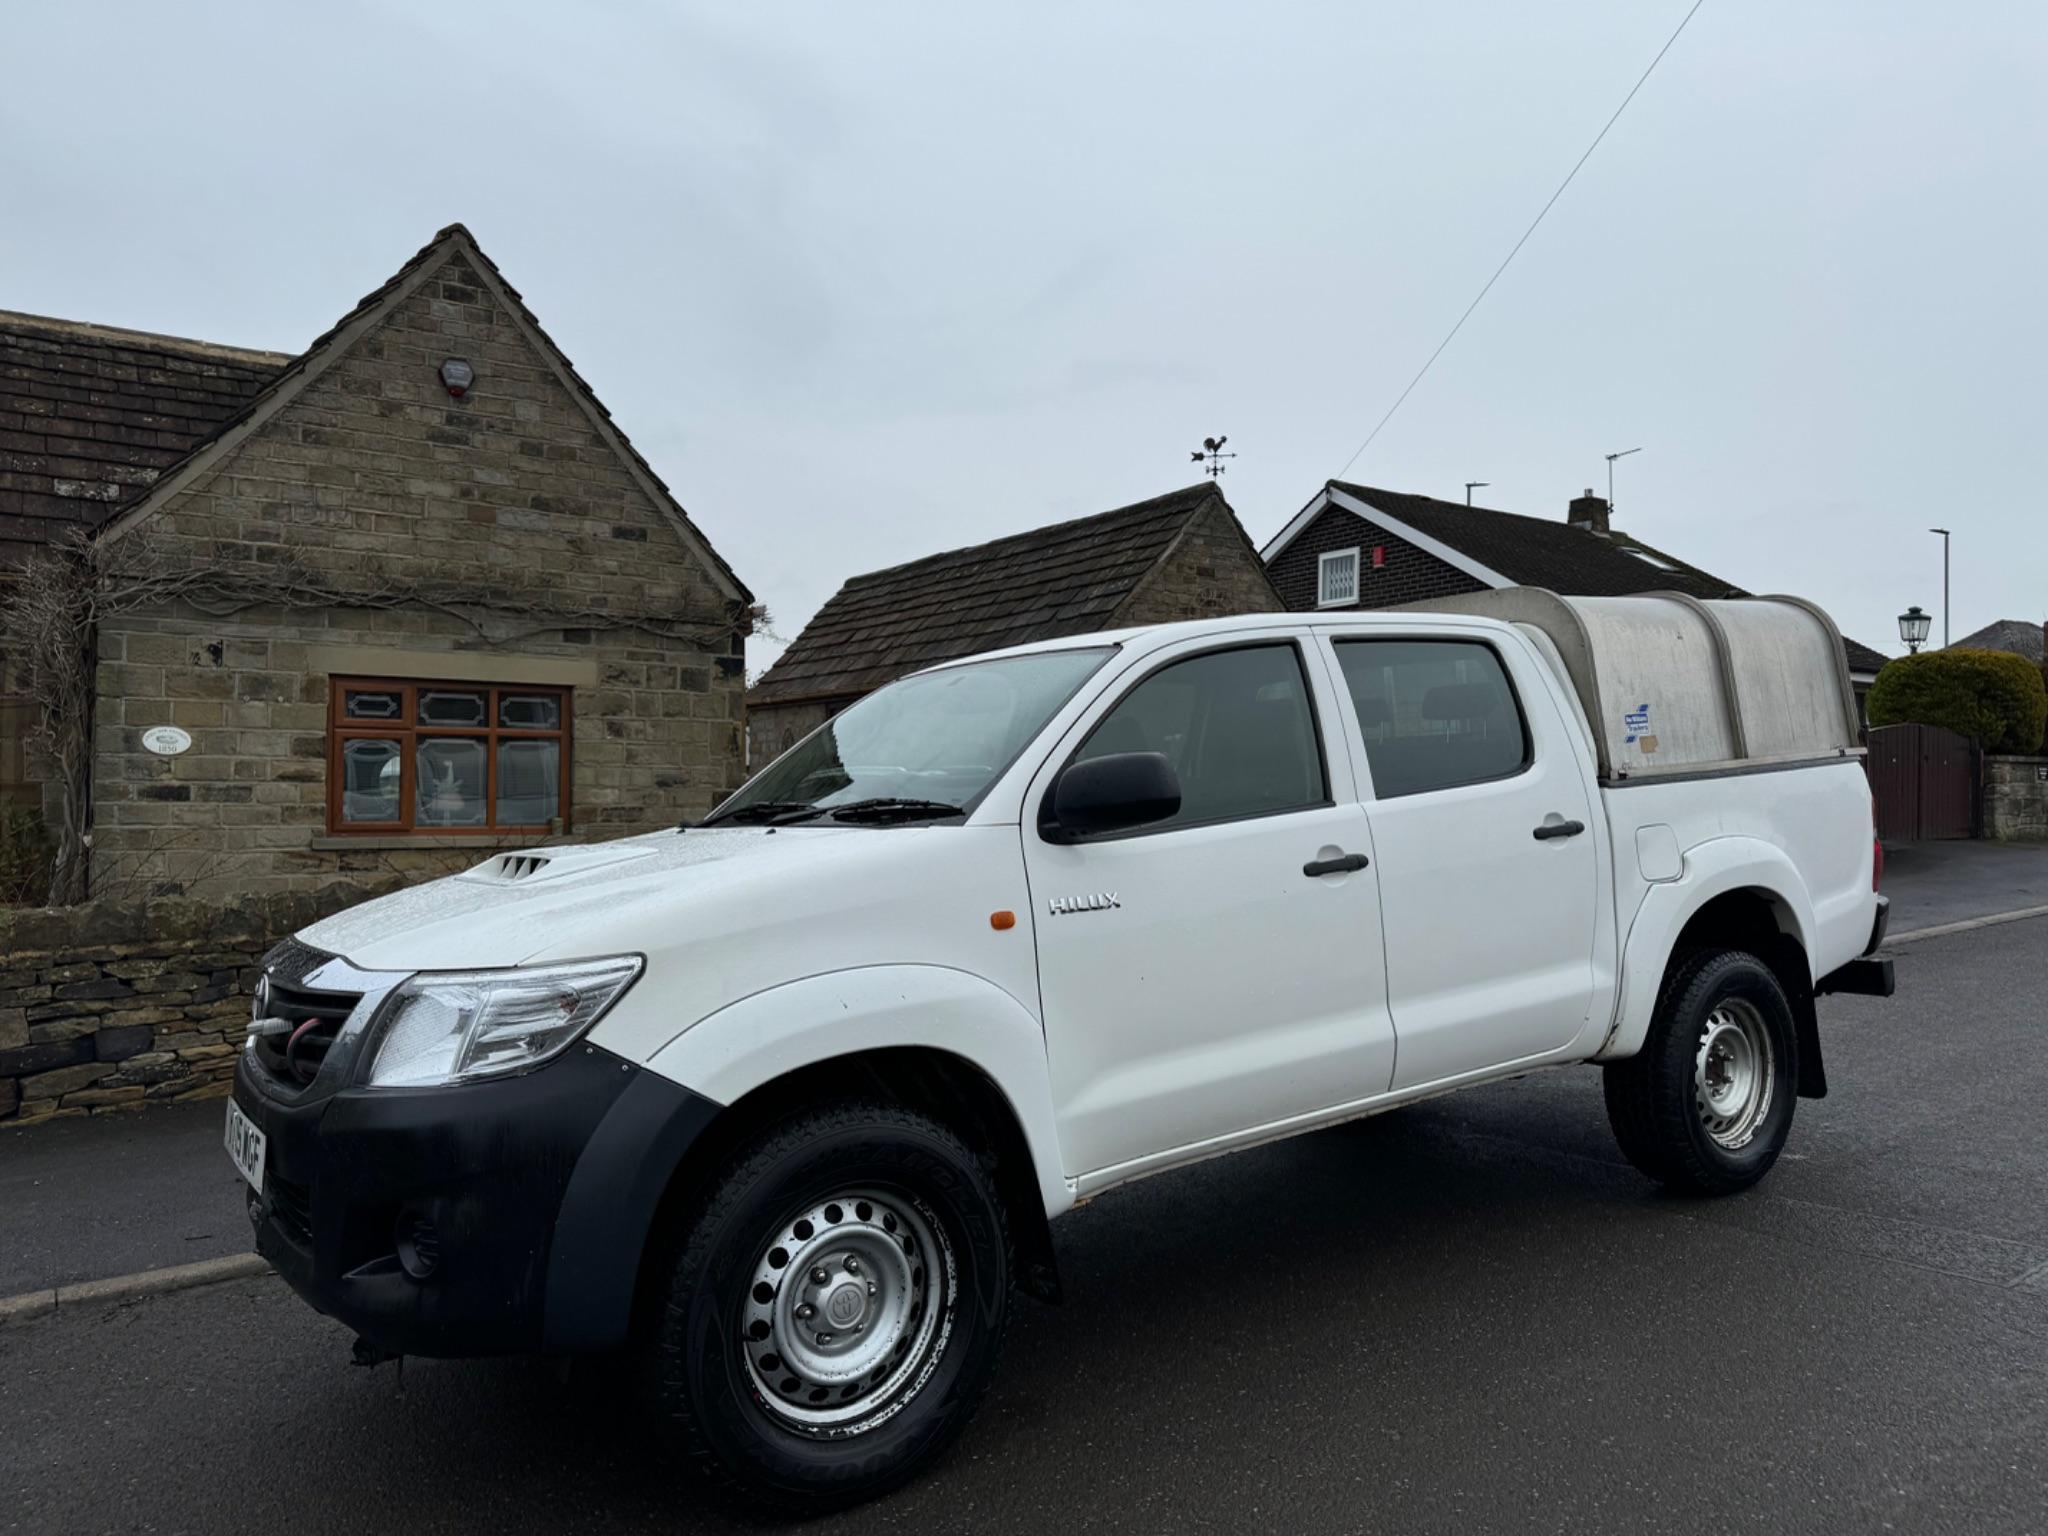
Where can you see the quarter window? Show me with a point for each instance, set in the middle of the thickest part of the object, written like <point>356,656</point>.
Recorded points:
<point>1237,726</point>
<point>446,758</point>
<point>1434,713</point>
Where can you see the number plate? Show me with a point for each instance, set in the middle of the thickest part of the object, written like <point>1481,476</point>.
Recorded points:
<point>245,1146</point>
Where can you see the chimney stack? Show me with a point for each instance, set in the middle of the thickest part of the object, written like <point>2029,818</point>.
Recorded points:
<point>1589,512</point>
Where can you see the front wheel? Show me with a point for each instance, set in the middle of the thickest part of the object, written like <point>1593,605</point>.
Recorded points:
<point>1706,1105</point>
<point>835,1306</point>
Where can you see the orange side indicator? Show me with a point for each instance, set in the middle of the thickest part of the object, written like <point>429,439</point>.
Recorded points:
<point>1002,921</point>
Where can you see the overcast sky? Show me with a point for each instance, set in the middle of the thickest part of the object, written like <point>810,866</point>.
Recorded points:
<point>869,281</point>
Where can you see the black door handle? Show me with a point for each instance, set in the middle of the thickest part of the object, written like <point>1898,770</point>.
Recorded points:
<point>1551,829</point>
<point>1342,865</point>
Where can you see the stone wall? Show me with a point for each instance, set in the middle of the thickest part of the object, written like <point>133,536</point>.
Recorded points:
<point>113,1005</point>
<point>2016,798</point>
<point>1211,572</point>
<point>373,469</point>
<point>772,729</point>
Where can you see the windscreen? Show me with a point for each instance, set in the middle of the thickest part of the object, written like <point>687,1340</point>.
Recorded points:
<point>922,748</point>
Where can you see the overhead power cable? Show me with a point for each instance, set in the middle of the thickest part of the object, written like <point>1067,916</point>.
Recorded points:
<point>1467,315</point>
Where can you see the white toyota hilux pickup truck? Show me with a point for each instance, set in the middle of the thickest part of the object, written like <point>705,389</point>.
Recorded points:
<point>786,1101</point>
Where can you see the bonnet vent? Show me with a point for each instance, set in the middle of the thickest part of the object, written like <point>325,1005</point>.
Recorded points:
<point>508,867</point>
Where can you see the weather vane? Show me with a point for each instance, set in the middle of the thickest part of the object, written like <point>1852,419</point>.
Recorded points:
<point>1211,456</point>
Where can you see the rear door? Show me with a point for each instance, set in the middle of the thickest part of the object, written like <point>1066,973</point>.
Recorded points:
<point>1219,971</point>
<point>1482,829</point>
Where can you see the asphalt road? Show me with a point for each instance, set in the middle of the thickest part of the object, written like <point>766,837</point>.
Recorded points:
<point>1932,883</point>
<point>109,1195</point>
<point>1464,1316</point>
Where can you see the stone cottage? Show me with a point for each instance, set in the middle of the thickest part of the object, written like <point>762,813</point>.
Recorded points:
<point>369,611</point>
<point>1179,556</point>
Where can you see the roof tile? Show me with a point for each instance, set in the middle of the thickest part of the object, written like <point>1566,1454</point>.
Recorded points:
<point>93,415</point>
<point>1546,552</point>
<point>1065,579</point>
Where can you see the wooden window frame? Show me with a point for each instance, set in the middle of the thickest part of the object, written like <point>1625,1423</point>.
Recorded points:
<point>407,732</point>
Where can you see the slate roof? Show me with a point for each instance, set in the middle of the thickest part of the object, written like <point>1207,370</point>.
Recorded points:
<point>2014,635</point>
<point>1066,579</point>
<point>91,417</point>
<point>1544,552</point>
<point>1549,552</point>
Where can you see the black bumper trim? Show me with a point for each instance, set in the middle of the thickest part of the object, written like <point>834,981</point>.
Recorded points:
<point>498,1171</point>
<point>1877,927</point>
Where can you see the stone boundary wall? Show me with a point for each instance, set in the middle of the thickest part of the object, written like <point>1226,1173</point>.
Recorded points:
<point>2016,798</point>
<point>116,1005</point>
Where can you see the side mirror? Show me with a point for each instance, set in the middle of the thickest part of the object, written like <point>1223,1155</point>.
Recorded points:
<point>1108,794</point>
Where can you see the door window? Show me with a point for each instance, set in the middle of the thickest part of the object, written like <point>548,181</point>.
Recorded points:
<point>1434,713</point>
<point>1237,726</point>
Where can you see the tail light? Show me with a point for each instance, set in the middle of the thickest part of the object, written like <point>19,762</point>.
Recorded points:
<point>1876,847</point>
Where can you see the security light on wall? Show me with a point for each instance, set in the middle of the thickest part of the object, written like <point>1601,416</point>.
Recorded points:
<point>457,375</point>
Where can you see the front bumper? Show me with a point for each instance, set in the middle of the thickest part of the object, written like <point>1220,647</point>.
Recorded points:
<point>496,1217</point>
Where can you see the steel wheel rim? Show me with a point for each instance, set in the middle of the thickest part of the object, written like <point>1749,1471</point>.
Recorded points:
<point>848,1310</point>
<point>1734,1074</point>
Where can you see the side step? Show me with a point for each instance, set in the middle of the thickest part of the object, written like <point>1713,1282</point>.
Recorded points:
<point>1866,977</point>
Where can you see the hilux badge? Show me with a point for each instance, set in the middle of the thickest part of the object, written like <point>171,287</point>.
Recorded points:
<point>1101,901</point>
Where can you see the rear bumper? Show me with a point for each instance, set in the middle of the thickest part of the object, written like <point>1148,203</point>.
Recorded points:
<point>1867,976</point>
<point>497,1217</point>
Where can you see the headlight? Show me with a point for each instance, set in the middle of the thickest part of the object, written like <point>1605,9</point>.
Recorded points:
<point>455,1026</point>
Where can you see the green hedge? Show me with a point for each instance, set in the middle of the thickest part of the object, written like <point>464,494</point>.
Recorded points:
<point>1993,697</point>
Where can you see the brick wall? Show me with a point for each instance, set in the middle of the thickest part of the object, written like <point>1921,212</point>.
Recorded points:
<point>509,491</point>
<point>1409,576</point>
<point>2016,798</point>
<point>114,1006</point>
<point>1210,573</point>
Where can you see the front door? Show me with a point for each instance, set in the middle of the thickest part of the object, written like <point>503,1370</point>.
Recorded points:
<point>1483,834</point>
<point>1220,970</point>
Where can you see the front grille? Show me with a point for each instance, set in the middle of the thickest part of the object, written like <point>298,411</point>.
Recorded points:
<point>293,1056</point>
<point>292,1207</point>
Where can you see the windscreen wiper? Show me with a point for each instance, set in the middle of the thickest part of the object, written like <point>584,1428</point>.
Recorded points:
<point>887,807</point>
<point>774,812</point>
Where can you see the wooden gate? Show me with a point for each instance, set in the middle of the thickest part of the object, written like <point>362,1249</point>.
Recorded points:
<point>1926,783</point>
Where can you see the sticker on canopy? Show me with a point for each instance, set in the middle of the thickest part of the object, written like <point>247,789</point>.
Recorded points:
<point>1637,723</point>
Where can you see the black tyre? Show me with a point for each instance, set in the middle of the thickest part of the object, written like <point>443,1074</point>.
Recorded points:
<point>1705,1106</point>
<point>835,1306</point>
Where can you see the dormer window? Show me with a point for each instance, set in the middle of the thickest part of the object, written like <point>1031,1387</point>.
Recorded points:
<point>1337,578</point>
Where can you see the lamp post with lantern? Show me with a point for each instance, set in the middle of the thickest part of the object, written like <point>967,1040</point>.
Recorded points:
<point>1913,627</point>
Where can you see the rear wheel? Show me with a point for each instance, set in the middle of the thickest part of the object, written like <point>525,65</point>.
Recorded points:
<point>836,1305</point>
<point>1706,1105</point>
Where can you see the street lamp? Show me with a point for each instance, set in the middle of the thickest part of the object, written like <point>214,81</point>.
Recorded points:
<point>1944,584</point>
<point>1913,627</point>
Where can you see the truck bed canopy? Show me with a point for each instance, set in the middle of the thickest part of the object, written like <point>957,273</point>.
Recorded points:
<point>1675,684</point>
